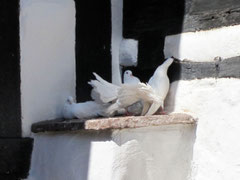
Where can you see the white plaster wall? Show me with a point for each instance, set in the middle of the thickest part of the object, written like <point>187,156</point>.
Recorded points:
<point>143,154</point>
<point>47,41</point>
<point>117,7</point>
<point>176,152</point>
<point>216,103</point>
<point>204,45</point>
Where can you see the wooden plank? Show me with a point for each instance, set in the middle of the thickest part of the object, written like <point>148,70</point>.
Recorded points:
<point>188,70</point>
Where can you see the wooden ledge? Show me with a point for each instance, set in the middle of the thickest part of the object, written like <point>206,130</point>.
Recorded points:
<point>111,123</point>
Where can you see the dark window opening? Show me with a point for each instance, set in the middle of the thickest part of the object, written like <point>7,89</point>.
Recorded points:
<point>93,44</point>
<point>150,22</point>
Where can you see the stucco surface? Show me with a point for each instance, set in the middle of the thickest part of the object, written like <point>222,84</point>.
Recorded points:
<point>216,103</point>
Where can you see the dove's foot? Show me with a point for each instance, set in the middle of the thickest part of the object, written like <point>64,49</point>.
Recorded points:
<point>163,113</point>
<point>129,114</point>
<point>160,111</point>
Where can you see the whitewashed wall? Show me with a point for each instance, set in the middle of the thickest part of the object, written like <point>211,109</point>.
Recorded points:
<point>168,152</point>
<point>143,154</point>
<point>216,103</point>
<point>47,41</point>
<point>204,45</point>
<point>173,152</point>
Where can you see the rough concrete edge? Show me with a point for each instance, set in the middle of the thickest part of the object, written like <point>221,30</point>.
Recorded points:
<point>112,123</point>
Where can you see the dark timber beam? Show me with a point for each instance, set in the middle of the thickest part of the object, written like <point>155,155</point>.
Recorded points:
<point>15,156</point>
<point>186,70</point>
<point>10,106</point>
<point>15,152</point>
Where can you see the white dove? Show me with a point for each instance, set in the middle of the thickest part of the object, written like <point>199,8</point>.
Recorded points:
<point>67,108</point>
<point>128,78</point>
<point>136,108</point>
<point>151,95</point>
<point>106,93</point>
<point>160,83</point>
<point>88,109</point>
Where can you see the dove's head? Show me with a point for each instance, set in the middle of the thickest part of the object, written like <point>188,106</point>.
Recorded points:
<point>70,100</point>
<point>128,73</point>
<point>127,76</point>
<point>164,67</point>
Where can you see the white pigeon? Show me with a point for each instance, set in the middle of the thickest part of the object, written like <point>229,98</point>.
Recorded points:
<point>160,83</point>
<point>129,94</point>
<point>136,108</point>
<point>106,93</point>
<point>151,95</point>
<point>67,108</point>
<point>88,109</point>
<point>128,78</point>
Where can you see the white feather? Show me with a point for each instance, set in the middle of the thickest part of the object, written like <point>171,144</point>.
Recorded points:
<point>151,95</point>
<point>103,91</point>
<point>129,94</point>
<point>160,83</point>
<point>88,109</point>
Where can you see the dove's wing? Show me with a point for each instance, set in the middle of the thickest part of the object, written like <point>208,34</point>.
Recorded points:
<point>103,91</point>
<point>129,94</point>
<point>88,109</point>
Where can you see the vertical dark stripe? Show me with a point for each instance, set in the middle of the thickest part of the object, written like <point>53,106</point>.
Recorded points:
<point>10,110</point>
<point>93,43</point>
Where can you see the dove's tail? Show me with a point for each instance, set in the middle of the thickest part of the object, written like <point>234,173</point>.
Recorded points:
<point>105,91</point>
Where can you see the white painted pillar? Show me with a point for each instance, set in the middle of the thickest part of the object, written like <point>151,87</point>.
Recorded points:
<point>117,16</point>
<point>47,41</point>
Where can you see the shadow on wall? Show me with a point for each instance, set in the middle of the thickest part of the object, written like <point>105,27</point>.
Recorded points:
<point>69,156</point>
<point>154,153</point>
